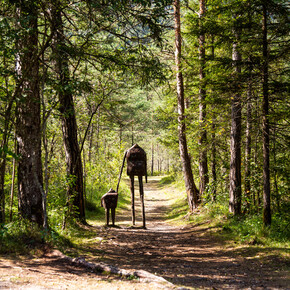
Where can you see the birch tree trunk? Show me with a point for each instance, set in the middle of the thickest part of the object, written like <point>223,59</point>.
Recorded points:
<point>191,190</point>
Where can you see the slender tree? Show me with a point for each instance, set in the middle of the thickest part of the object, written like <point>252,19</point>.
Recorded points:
<point>192,192</point>
<point>265,122</point>
<point>248,145</point>
<point>203,167</point>
<point>75,194</point>
<point>235,163</point>
<point>3,150</point>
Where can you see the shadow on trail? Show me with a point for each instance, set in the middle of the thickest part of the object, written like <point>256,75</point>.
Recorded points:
<point>190,256</point>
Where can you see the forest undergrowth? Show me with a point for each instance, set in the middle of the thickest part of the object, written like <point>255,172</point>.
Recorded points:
<point>173,243</point>
<point>247,229</point>
<point>25,237</point>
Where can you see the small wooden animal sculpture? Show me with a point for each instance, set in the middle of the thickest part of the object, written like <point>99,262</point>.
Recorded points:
<point>137,166</point>
<point>109,201</point>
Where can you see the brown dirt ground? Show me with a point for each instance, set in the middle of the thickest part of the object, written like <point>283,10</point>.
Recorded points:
<point>187,256</point>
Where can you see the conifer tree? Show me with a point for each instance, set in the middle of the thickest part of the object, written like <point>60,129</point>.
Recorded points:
<point>192,192</point>
<point>28,130</point>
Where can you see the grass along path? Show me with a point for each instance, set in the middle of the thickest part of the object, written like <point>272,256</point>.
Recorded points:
<point>186,255</point>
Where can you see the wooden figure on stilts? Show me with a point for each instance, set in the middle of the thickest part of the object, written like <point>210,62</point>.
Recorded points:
<point>136,166</point>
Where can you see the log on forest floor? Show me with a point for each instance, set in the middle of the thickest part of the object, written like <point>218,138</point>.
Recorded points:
<point>142,275</point>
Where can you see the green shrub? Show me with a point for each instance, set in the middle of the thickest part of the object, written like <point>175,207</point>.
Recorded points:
<point>20,236</point>
<point>167,179</point>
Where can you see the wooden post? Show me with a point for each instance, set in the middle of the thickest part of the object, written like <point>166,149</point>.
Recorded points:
<point>107,215</point>
<point>142,200</point>
<point>113,211</point>
<point>132,199</point>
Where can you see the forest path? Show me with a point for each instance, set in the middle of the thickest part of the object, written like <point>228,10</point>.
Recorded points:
<point>187,256</point>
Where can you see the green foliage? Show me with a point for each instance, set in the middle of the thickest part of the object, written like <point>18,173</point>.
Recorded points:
<point>20,236</point>
<point>167,179</point>
<point>115,58</point>
<point>247,229</point>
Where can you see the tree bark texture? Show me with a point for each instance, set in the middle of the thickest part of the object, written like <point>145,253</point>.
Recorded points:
<point>202,142</point>
<point>2,193</point>
<point>213,160</point>
<point>213,140</point>
<point>192,192</point>
<point>4,143</point>
<point>152,158</point>
<point>28,123</point>
<point>235,163</point>
<point>265,124</point>
<point>248,148</point>
<point>75,194</point>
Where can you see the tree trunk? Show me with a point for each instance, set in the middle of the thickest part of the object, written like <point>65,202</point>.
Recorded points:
<point>13,180</point>
<point>213,140</point>
<point>213,164</point>
<point>4,144</point>
<point>152,158</point>
<point>235,164</point>
<point>248,147</point>
<point>277,195</point>
<point>28,123</point>
<point>2,192</point>
<point>75,194</point>
<point>266,129</point>
<point>191,190</point>
<point>202,142</point>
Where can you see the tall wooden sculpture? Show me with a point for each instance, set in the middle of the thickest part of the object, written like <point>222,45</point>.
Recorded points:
<point>136,166</point>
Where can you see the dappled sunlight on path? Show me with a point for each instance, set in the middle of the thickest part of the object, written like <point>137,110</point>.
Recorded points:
<point>189,256</point>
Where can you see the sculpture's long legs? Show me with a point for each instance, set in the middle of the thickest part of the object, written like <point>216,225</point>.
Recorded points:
<point>113,210</point>
<point>142,200</point>
<point>107,215</point>
<point>132,199</point>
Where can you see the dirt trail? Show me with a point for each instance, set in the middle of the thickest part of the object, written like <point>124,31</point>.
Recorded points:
<point>189,257</point>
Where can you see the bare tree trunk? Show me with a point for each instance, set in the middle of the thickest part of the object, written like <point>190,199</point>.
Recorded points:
<point>277,196</point>
<point>152,158</point>
<point>213,140</point>
<point>266,129</point>
<point>90,144</point>
<point>4,144</point>
<point>98,133</point>
<point>28,124</point>
<point>2,192</point>
<point>213,164</point>
<point>191,190</point>
<point>235,165</point>
<point>75,193</point>
<point>13,180</point>
<point>248,147</point>
<point>202,142</point>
